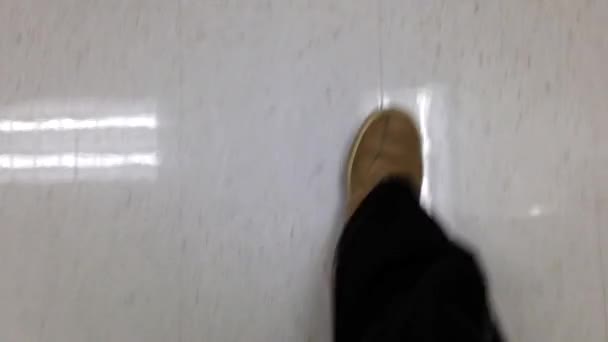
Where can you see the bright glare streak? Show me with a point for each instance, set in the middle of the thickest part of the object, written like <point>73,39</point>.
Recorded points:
<point>423,100</point>
<point>82,160</point>
<point>385,101</point>
<point>69,124</point>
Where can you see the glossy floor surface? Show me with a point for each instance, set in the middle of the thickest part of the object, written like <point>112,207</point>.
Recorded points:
<point>173,170</point>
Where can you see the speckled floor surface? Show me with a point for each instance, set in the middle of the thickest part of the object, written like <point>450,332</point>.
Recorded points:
<point>173,170</point>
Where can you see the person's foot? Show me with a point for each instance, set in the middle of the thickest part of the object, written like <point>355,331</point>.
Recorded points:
<point>388,144</point>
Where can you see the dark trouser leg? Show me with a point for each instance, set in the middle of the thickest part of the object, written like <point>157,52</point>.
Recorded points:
<point>399,278</point>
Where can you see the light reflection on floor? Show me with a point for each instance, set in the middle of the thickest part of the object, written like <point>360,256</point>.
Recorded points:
<point>68,124</point>
<point>51,141</point>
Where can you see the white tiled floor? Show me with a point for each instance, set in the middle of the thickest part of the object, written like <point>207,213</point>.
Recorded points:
<point>221,228</point>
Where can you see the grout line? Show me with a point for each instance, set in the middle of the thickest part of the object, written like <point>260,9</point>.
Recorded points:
<point>602,281</point>
<point>180,124</point>
<point>380,25</point>
<point>180,61</point>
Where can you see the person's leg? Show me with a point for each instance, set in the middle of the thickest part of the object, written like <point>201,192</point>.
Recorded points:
<point>398,277</point>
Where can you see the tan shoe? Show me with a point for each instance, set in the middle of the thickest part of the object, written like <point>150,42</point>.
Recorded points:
<point>388,144</point>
